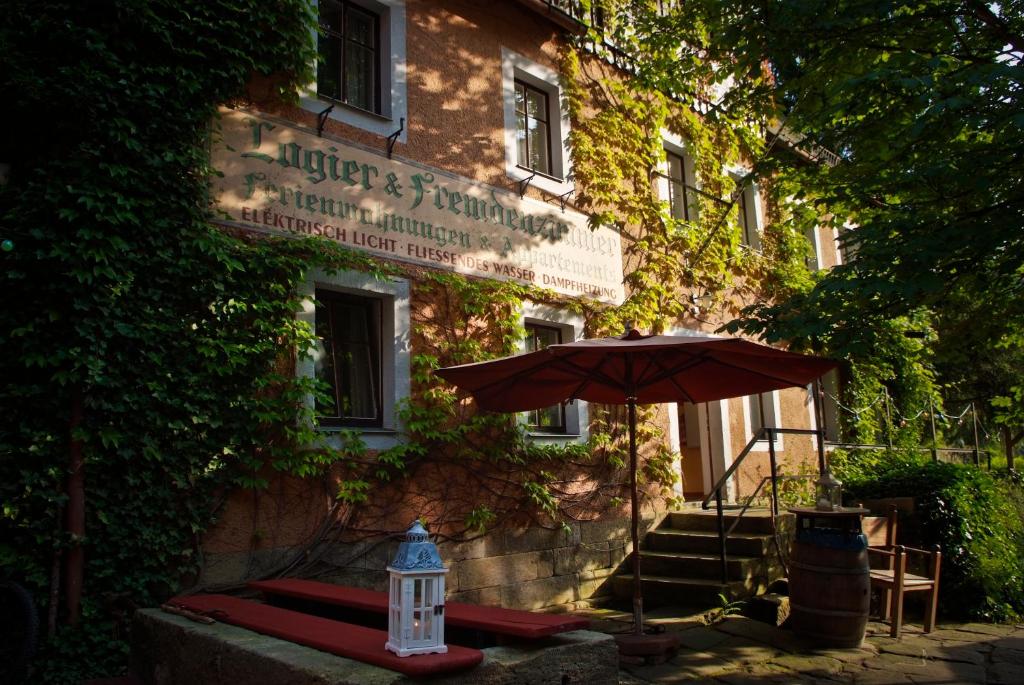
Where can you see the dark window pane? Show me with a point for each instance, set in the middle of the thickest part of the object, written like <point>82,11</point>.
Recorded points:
<point>537,105</point>
<point>746,225</point>
<point>348,358</point>
<point>330,15</point>
<point>361,28</point>
<point>328,73</point>
<point>349,57</point>
<point>550,419</point>
<point>677,193</point>
<point>359,77</point>
<point>533,137</point>
<point>537,133</point>
<point>522,152</point>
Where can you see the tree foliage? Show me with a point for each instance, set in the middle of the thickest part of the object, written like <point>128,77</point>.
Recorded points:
<point>906,124</point>
<point>120,296</point>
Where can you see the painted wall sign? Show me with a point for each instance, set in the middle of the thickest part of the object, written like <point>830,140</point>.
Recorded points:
<point>285,180</point>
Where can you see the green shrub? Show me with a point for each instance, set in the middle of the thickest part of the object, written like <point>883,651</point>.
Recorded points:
<point>977,517</point>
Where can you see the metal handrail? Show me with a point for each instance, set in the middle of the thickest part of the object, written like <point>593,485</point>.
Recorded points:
<point>769,434</point>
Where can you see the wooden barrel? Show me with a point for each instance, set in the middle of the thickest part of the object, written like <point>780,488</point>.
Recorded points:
<point>829,588</point>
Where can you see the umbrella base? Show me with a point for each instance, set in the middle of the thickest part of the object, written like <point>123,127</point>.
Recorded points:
<point>647,649</point>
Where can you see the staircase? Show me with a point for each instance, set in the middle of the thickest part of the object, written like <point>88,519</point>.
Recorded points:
<point>680,561</point>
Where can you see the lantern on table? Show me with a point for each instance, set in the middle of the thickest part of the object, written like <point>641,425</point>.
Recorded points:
<point>829,493</point>
<point>416,596</point>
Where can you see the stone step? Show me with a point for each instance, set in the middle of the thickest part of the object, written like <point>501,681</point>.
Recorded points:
<point>698,541</point>
<point>752,521</point>
<point>689,592</point>
<point>703,566</point>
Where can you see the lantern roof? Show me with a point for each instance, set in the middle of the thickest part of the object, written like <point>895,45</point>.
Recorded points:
<point>417,552</point>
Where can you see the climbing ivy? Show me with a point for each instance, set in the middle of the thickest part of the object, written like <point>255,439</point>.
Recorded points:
<point>122,299</point>
<point>624,92</point>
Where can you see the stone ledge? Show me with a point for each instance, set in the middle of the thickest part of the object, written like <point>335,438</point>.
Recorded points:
<point>171,650</point>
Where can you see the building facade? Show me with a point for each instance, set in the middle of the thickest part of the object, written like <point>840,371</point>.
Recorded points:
<point>438,139</point>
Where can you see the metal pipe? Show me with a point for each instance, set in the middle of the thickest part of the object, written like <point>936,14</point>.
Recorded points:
<point>721,535</point>
<point>931,416</point>
<point>638,600</point>
<point>977,446</point>
<point>888,417</point>
<point>775,484</point>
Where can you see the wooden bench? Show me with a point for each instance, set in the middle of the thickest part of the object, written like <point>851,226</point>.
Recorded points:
<point>344,639</point>
<point>504,622</point>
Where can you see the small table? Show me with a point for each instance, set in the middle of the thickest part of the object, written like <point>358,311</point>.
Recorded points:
<point>843,518</point>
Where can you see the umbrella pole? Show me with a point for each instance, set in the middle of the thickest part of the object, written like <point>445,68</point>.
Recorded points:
<point>638,601</point>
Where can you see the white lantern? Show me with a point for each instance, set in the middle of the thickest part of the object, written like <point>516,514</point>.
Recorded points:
<point>416,597</point>
<point>829,493</point>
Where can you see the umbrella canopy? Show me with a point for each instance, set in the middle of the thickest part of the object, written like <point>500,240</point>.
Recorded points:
<point>648,368</point>
<point>634,369</point>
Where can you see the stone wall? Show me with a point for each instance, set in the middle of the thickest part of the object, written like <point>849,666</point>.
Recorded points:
<point>523,568</point>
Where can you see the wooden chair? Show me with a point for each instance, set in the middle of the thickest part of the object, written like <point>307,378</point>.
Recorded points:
<point>889,571</point>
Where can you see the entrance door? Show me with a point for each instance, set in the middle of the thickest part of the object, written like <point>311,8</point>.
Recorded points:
<point>703,464</point>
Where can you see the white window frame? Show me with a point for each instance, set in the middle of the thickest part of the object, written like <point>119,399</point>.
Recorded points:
<point>771,421</point>
<point>679,147</point>
<point>515,67</point>
<point>393,91</point>
<point>815,241</point>
<point>577,415</point>
<point>752,195</point>
<point>395,352</point>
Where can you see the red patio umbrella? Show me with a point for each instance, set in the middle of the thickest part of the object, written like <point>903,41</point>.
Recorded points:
<point>634,369</point>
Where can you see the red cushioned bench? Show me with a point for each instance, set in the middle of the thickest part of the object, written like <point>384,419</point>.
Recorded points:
<point>505,622</point>
<point>335,637</point>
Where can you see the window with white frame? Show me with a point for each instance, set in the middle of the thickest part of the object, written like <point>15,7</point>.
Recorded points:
<point>536,125</point>
<point>813,259</point>
<point>361,357</point>
<point>566,422</point>
<point>361,64</point>
<point>549,419</point>
<point>762,411</point>
<point>747,216</point>
<point>676,183</point>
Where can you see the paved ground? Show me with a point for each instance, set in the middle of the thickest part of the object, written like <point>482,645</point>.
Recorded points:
<point>739,650</point>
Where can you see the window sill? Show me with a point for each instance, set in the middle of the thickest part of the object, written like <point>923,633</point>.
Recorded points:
<point>374,438</point>
<point>554,438</point>
<point>537,172</point>
<point>357,429</point>
<point>327,100</point>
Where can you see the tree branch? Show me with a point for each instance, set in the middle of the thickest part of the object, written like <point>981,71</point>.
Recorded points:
<point>999,27</point>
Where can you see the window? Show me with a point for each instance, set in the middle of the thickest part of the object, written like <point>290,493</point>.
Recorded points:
<point>348,359</point>
<point>813,259</point>
<point>536,126</point>
<point>360,70</point>
<point>362,353</point>
<point>677,195</point>
<point>349,47</point>
<point>746,207</point>
<point>762,411</point>
<point>550,419</point>
<point>562,423</point>
<point>533,134</point>
<point>676,183</point>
